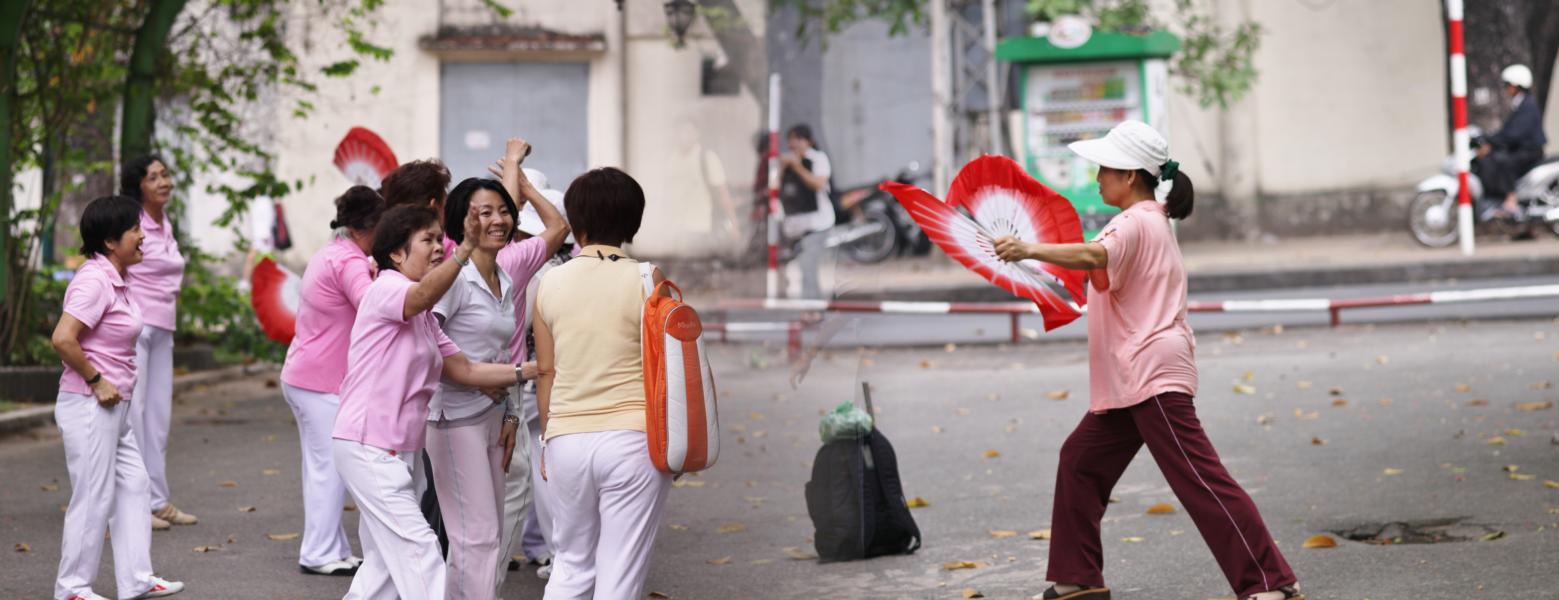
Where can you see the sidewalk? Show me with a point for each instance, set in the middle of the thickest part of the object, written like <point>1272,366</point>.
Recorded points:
<point>1212,267</point>
<point>37,415</point>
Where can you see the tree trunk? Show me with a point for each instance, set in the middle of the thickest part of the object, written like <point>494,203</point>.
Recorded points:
<point>151,42</point>
<point>743,49</point>
<point>1500,33</point>
<point>11,14</point>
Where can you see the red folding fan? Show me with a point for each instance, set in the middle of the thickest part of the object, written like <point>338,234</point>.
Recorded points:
<point>364,157</point>
<point>275,293</point>
<point>1002,200</point>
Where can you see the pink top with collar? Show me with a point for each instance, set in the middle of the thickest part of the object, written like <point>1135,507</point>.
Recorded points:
<point>99,298</point>
<point>155,281</point>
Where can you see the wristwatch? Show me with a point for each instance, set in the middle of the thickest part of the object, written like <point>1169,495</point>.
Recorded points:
<point>95,378</point>
<point>519,374</point>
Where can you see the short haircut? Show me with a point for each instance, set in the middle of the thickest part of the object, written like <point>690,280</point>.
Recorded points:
<point>605,206</point>
<point>460,202</point>
<point>107,219</point>
<point>395,230</point>
<point>358,209</point>
<point>416,182</point>
<point>134,172</point>
<point>804,132</point>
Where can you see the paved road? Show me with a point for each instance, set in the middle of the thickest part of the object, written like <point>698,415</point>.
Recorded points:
<point>852,329</point>
<point>944,410</point>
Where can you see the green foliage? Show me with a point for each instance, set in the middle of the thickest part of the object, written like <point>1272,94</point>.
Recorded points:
<point>213,309</point>
<point>46,296</point>
<point>836,15</point>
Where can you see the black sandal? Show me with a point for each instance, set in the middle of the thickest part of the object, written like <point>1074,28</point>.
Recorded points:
<point>1290,592</point>
<point>1087,593</point>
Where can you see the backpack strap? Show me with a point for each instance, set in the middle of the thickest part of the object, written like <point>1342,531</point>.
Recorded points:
<point>647,275</point>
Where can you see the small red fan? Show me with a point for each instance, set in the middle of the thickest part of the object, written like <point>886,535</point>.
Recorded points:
<point>275,294</point>
<point>1003,200</point>
<point>364,157</point>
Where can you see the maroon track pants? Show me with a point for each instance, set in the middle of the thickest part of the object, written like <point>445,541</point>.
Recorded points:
<point>1097,453</point>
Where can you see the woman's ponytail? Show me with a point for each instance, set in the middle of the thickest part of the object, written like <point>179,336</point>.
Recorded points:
<point>1182,196</point>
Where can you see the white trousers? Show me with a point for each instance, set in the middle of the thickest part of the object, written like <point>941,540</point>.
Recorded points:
<point>522,494</point>
<point>467,459</point>
<point>324,493</point>
<point>152,410</point>
<point>608,499</point>
<point>401,556</point>
<point>107,491</point>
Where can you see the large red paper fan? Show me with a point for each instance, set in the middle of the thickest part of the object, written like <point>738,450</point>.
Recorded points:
<point>275,294</point>
<point>1003,201</point>
<point>364,157</point>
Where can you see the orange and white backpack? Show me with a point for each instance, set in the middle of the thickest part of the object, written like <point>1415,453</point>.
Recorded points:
<point>682,418</point>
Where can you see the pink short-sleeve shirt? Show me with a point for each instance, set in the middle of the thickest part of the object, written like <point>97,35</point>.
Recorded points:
<point>1139,344</point>
<point>392,368</point>
<point>521,260</point>
<point>155,281</point>
<point>99,298</point>
<point>333,286</point>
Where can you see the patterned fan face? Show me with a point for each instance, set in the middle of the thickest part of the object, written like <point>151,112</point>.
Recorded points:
<point>1004,200</point>
<point>364,157</point>
<point>275,293</point>
<point>972,245</point>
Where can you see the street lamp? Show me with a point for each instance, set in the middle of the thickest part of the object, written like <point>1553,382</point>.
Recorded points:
<point>679,16</point>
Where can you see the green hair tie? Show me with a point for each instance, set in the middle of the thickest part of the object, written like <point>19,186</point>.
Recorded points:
<point>1168,170</point>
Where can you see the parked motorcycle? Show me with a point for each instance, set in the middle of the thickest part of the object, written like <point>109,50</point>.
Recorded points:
<point>1433,215</point>
<point>873,226</point>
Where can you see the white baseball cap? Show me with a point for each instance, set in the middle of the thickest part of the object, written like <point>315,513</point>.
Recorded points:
<point>536,177</point>
<point>1129,146</point>
<point>530,220</point>
<point>1517,75</point>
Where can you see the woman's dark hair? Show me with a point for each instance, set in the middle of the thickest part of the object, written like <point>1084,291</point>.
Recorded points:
<point>107,219</point>
<point>134,172</point>
<point>415,183</point>
<point>1182,197</point>
<point>460,202</point>
<point>605,206</point>
<point>804,132</point>
<point>396,228</point>
<point>358,209</point>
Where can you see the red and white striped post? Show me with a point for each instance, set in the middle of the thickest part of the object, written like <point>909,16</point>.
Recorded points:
<point>771,289</point>
<point>1461,139</point>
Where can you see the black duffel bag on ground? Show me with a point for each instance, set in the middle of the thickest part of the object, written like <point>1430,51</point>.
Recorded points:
<point>856,501</point>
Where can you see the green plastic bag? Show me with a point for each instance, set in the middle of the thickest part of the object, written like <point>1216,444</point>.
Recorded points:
<point>846,422</point>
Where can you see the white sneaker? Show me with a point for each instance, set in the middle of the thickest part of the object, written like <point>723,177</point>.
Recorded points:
<point>545,571</point>
<point>89,596</point>
<point>345,568</point>
<point>161,588</point>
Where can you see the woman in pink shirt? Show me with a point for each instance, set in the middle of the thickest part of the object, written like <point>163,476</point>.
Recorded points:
<point>333,285</point>
<point>154,285</point>
<point>394,362</point>
<point>95,338</point>
<point>1142,377</point>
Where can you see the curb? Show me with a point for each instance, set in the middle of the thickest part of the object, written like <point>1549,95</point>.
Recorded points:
<point>17,421</point>
<point>1273,279</point>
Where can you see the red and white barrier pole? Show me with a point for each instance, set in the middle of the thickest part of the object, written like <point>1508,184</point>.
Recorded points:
<point>771,289</point>
<point>1461,139</point>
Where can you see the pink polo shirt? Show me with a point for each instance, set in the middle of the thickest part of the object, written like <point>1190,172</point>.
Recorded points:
<point>1139,344</point>
<point>521,260</point>
<point>99,298</point>
<point>392,368</point>
<point>333,285</point>
<point>155,281</point>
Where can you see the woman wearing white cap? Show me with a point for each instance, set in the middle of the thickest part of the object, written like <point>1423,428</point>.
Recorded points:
<point>1142,377</point>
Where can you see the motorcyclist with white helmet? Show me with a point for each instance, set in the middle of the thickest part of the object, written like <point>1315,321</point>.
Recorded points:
<point>1518,146</point>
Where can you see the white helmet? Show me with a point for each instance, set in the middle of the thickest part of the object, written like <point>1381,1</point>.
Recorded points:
<point>1517,75</point>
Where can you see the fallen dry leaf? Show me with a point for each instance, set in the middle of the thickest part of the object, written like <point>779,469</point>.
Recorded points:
<point>1385,402</point>
<point>1512,468</point>
<point>1249,376</point>
<point>1513,432</point>
<point>732,528</point>
<point>1390,472</point>
<point>677,527</point>
<point>1383,359</point>
<point>246,509</point>
<point>1240,388</point>
<point>660,595</point>
<point>761,561</point>
<point>270,472</point>
<point>1039,534</point>
<point>950,348</point>
<point>1477,402</point>
<point>1304,385</point>
<point>916,502</point>
<point>1316,441</point>
<point>229,484</point>
<point>50,487</point>
<point>1492,536</point>
<point>925,364</point>
<point>1339,403</point>
<point>1162,508</point>
<point>1059,394</point>
<point>687,483</point>
<point>972,593</point>
<point>1264,420</point>
<point>1543,385</point>
<point>1497,441</point>
<point>1551,484</point>
<point>1535,406</point>
<point>1133,540</point>
<point>954,565</point>
<point>1002,533</point>
<point>1522,476</point>
<point>992,454</point>
<point>1300,414</point>
<point>720,561</point>
<point>1320,541</point>
<point>1463,388</point>
<point>281,537</point>
<point>23,548</point>
<point>205,549</point>
<point>798,554</point>
<point>1336,391</point>
<point>349,508</point>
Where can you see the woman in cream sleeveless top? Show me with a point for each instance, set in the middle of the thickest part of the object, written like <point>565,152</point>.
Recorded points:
<point>595,455</point>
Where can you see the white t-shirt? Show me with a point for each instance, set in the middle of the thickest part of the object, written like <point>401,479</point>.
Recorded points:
<point>481,326</point>
<point>822,219</point>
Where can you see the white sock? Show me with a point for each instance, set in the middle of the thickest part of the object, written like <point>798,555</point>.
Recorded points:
<point>1067,588</point>
<point>1267,596</point>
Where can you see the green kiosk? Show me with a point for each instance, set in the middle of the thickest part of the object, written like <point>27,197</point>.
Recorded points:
<point>1078,90</point>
